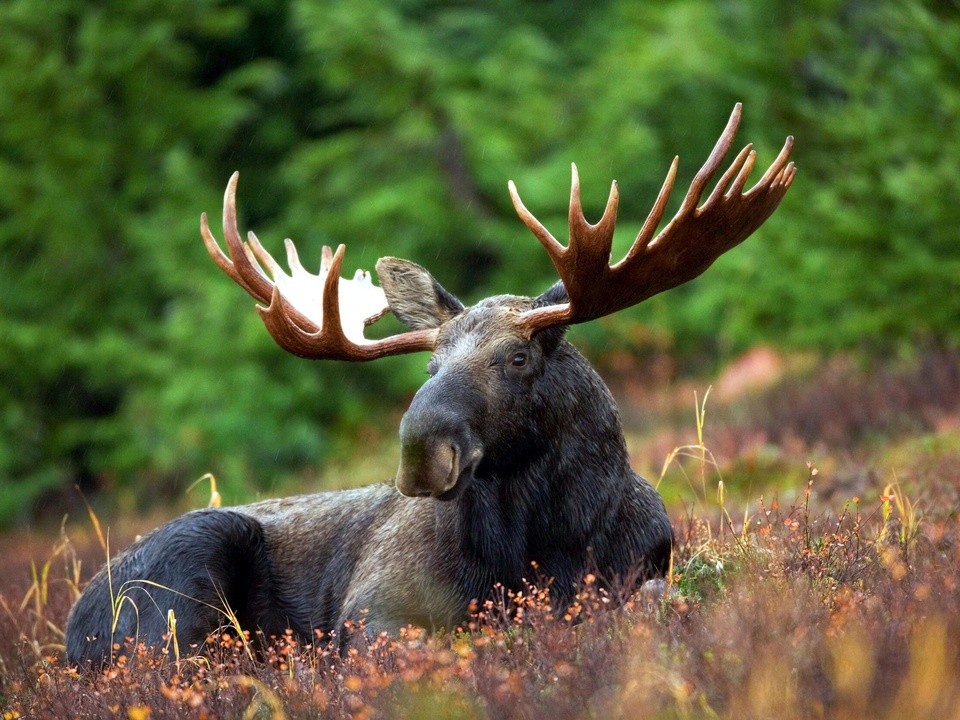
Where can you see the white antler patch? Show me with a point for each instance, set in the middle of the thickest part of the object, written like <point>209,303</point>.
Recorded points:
<point>361,302</point>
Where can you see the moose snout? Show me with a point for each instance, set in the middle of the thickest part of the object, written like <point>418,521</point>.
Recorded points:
<point>435,456</point>
<point>428,468</point>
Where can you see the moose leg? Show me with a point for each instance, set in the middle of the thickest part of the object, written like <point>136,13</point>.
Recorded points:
<point>204,569</point>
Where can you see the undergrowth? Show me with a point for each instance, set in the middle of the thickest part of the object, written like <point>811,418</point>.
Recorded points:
<point>809,609</point>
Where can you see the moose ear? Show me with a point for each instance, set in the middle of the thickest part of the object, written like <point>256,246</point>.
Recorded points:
<point>414,296</point>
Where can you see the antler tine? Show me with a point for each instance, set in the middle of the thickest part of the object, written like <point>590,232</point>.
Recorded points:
<point>655,215</point>
<point>293,257</point>
<point>548,241</point>
<point>777,165</point>
<point>736,188</point>
<point>738,171</point>
<point>250,272</point>
<point>599,237</point>
<point>282,327</point>
<point>256,253</point>
<point>331,294</point>
<point>692,240</point>
<point>222,261</point>
<point>716,157</point>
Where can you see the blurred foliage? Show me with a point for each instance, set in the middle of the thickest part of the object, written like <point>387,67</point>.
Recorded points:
<point>128,361</point>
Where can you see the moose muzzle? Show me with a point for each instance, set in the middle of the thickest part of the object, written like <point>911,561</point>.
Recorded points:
<point>438,455</point>
<point>428,469</point>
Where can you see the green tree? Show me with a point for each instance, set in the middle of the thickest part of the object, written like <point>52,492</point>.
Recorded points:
<point>128,361</point>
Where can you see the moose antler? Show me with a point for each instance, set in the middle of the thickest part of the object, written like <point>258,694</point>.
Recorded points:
<point>313,316</point>
<point>688,245</point>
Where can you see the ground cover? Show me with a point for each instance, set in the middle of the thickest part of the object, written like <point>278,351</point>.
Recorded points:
<point>824,587</point>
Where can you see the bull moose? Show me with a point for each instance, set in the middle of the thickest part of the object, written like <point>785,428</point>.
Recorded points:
<point>512,451</point>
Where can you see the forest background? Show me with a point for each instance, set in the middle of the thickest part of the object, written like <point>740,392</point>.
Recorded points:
<point>131,366</point>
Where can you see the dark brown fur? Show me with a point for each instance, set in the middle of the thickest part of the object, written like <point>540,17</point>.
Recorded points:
<point>505,465</point>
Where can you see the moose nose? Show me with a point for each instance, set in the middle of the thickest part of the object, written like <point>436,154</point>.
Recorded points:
<point>427,468</point>
<point>438,449</point>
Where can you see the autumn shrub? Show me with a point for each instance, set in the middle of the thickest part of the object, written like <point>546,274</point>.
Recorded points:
<point>798,611</point>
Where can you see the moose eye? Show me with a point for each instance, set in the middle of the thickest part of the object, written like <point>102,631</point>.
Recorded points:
<point>518,359</point>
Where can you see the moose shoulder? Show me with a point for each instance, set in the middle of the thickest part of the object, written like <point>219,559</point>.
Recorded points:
<point>512,452</point>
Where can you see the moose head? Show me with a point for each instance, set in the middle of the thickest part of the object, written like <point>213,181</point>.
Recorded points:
<point>489,358</point>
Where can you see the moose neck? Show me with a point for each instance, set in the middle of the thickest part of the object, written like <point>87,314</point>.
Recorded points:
<point>555,482</point>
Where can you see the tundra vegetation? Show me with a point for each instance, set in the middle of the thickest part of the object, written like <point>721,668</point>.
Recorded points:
<point>834,595</point>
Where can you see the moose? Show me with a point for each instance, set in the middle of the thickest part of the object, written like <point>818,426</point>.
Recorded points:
<point>512,452</point>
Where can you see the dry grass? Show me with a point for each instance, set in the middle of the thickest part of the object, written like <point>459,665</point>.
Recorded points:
<point>828,606</point>
<point>795,613</point>
<point>842,409</point>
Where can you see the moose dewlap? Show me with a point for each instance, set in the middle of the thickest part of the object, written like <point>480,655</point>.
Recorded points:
<point>512,452</point>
